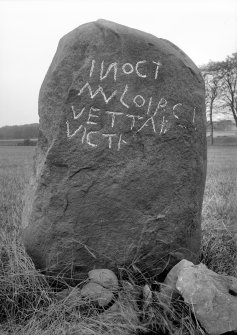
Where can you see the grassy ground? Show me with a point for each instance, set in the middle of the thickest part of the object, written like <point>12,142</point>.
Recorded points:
<point>18,142</point>
<point>220,210</point>
<point>29,307</point>
<point>15,168</point>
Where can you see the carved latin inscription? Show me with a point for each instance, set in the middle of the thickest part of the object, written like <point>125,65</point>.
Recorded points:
<point>151,115</point>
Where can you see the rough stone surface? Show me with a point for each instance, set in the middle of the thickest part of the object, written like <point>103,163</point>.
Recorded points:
<point>121,159</point>
<point>168,288</point>
<point>96,292</point>
<point>213,297</point>
<point>104,277</point>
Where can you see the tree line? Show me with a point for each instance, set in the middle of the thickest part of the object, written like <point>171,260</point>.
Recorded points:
<point>26,131</point>
<point>221,88</point>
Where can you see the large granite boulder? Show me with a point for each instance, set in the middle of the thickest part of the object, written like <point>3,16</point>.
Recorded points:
<point>121,159</point>
<point>212,297</point>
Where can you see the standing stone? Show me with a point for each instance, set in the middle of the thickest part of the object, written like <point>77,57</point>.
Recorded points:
<point>121,159</point>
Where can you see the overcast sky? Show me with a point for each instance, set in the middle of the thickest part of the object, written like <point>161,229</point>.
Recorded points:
<point>30,31</point>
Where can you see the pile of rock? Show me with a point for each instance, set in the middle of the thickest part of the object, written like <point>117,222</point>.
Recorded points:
<point>105,295</point>
<point>102,287</point>
<point>212,297</point>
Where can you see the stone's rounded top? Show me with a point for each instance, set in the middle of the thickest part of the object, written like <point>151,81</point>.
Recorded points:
<point>97,29</point>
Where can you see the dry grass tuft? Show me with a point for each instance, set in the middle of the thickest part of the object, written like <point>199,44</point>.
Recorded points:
<point>29,307</point>
<point>23,289</point>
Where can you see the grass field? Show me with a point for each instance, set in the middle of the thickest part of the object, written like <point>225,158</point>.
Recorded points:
<point>15,168</point>
<point>26,303</point>
<point>219,222</point>
<point>18,142</point>
<point>220,206</point>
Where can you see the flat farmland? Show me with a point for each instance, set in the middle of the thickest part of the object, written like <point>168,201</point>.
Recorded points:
<point>219,214</point>
<point>220,205</point>
<point>15,169</point>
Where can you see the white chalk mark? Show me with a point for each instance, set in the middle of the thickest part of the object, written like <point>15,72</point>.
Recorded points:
<point>110,138</point>
<point>142,101</point>
<point>99,90</point>
<point>120,142</point>
<point>137,71</point>
<point>175,106</point>
<point>88,139</point>
<point>164,124</point>
<point>194,114</point>
<point>146,124</point>
<point>122,97</point>
<point>149,105</point>
<point>158,64</point>
<point>75,132</point>
<point>92,67</point>
<point>83,136</point>
<point>133,117</point>
<point>92,109</point>
<point>113,114</point>
<point>76,116</point>
<point>127,71</point>
<point>162,103</point>
<point>111,66</point>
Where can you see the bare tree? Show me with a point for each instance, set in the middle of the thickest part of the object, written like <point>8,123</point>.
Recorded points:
<point>227,72</point>
<point>212,88</point>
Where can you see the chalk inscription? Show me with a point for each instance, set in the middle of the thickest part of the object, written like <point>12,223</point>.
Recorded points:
<point>151,113</point>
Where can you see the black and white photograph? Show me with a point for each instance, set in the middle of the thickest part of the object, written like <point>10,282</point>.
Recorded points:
<point>118,167</point>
